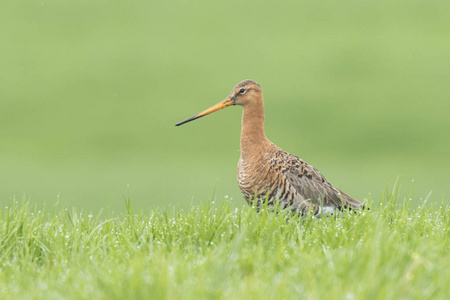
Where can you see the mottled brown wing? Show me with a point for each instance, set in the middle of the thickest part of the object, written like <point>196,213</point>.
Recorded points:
<point>314,186</point>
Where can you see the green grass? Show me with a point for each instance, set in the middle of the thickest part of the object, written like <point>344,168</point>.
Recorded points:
<point>215,251</point>
<point>91,90</point>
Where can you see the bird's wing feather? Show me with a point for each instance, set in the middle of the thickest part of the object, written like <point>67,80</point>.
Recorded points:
<point>314,186</point>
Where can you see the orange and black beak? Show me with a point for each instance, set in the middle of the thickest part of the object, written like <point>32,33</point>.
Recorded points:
<point>225,103</point>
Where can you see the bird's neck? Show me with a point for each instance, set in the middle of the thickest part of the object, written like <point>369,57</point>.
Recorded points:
<point>253,138</point>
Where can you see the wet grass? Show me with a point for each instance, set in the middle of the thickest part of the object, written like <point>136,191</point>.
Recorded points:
<point>216,251</point>
<point>91,91</point>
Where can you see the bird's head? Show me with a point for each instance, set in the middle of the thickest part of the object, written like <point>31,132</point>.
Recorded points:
<point>247,92</point>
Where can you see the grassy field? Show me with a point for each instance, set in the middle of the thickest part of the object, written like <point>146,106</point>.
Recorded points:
<point>90,92</point>
<point>216,251</point>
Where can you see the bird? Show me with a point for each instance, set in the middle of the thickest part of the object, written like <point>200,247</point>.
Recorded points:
<point>267,175</point>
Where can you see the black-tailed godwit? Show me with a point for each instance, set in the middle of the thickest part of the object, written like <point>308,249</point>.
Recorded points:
<point>268,173</point>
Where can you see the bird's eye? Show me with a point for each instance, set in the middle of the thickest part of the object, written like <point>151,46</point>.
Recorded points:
<point>242,91</point>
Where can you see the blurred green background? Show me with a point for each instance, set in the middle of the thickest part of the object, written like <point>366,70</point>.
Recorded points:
<point>90,92</point>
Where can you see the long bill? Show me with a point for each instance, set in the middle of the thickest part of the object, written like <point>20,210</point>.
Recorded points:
<point>225,103</point>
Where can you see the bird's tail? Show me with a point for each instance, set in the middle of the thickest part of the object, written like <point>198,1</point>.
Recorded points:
<point>349,202</point>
